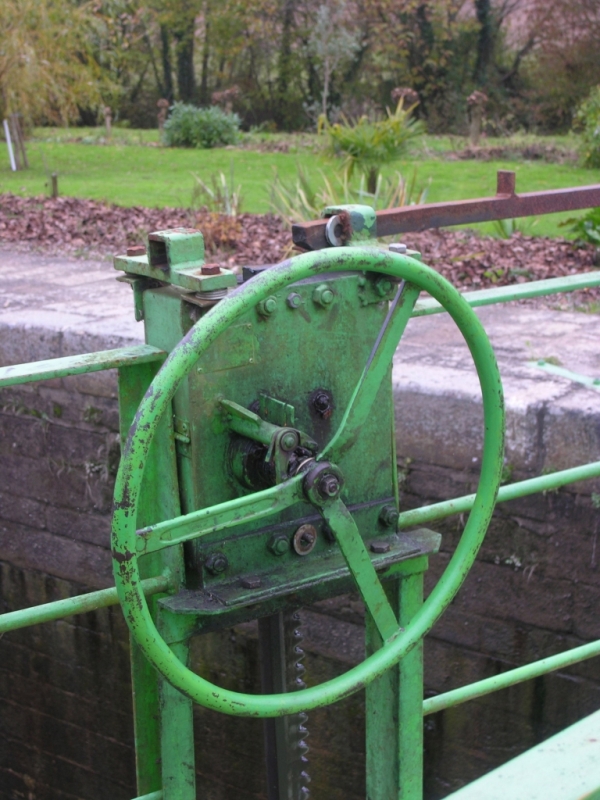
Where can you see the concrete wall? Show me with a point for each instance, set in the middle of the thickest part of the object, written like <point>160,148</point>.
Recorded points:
<point>65,723</point>
<point>534,589</point>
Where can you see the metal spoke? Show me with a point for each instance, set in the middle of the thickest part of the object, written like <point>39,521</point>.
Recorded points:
<point>359,563</point>
<point>374,372</point>
<point>223,516</point>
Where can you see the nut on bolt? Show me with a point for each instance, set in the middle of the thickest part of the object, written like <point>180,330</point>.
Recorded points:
<point>294,300</point>
<point>383,286</point>
<point>267,306</point>
<point>289,441</point>
<point>322,404</point>
<point>216,563</point>
<point>389,516</point>
<point>329,486</point>
<point>323,296</point>
<point>279,544</point>
<point>304,539</point>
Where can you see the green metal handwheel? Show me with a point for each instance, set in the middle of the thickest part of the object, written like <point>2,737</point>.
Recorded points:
<point>318,483</point>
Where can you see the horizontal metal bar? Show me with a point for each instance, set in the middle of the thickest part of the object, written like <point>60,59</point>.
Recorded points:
<point>518,291</point>
<point>47,612</point>
<point>544,483</point>
<point>76,365</point>
<point>505,205</point>
<point>585,380</point>
<point>230,514</point>
<point>519,675</point>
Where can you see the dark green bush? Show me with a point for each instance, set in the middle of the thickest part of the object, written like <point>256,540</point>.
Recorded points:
<point>586,228</point>
<point>188,126</point>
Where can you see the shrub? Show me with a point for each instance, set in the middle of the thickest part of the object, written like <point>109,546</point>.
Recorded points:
<point>588,118</point>
<point>368,145</point>
<point>585,228</point>
<point>303,201</point>
<point>188,126</point>
<point>219,196</point>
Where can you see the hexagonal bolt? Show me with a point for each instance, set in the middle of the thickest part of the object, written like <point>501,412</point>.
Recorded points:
<point>251,581</point>
<point>210,269</point>
<point>398,247</point>
<point>216,563</point>
<point>322,404</point>
<point>380,547</point>
<point>279,544</point>
<point>389,516</point>
<point>323,296</point>
<point>329,486</point>
<point>136,250</point>
<point>294,300</point>
<point>304,539</point>
<point>267,306</point>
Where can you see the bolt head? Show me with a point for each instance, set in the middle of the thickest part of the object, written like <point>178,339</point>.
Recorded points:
<point>389,516</point>
<point>210,269</point>
<point>323,295</point>
<point>322,403</point>
<point>288,441</point>
<point>216,563</point>
<point>136,250</point>
<point>251,582</point>
<point>383,286</point>
<point>267,306</point>
<point>294,300</point>
<point>279,544</point>
<point>380,547</point>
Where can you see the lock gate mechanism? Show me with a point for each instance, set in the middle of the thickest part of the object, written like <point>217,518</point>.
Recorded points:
<point>276,412</point>
<point>258,475</point>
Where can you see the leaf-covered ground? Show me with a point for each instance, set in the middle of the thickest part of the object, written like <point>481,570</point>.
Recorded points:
<point>468,260</point>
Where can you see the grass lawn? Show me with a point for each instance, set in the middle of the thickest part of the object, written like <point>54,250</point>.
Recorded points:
<point>133,170</point>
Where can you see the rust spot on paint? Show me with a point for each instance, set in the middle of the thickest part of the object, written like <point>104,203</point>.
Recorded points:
<point>121,558</point>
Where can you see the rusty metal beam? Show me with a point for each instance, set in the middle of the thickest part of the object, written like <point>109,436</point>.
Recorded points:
<point>505,205</point>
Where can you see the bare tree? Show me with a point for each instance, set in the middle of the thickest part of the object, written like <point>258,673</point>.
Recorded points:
<point>332,42</point>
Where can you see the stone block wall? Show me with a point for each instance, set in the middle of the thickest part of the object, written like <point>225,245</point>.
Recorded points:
<point>534,588</point>
<point>65,723</point>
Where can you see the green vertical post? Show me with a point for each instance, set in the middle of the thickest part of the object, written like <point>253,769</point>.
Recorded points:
<point>394,717</point>
<point>160,501</point>
<point>177,735</point>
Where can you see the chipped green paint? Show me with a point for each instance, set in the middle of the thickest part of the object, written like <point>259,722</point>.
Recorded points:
<point>157,401</point>
<point>79,365</point>
<point>147,552</point>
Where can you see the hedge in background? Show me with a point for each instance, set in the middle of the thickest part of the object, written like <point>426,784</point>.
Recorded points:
<point>188,126</point>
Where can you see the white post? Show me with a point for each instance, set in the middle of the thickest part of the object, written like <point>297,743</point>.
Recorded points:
<point>11,155</point>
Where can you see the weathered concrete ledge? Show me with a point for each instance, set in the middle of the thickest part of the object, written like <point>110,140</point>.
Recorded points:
<point>552,422</point>
<point>533,591</point>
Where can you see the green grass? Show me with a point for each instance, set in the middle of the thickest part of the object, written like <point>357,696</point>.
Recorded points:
<point>130,171</point>
<point>149,176</point>
<point>439,145</point>
<point>460,180</point>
